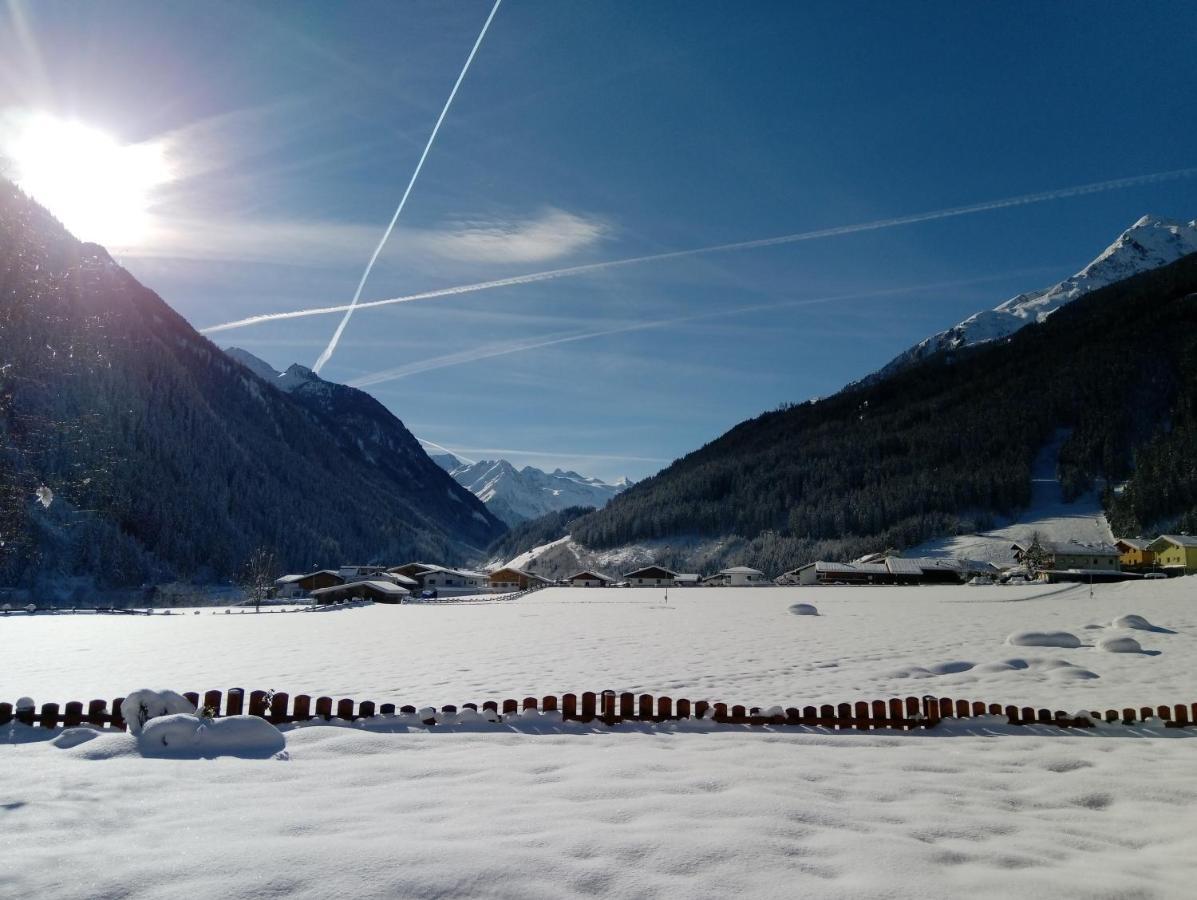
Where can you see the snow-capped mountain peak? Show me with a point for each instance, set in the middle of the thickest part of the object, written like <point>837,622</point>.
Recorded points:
<point>516,495</point>
<point>1148,244</point>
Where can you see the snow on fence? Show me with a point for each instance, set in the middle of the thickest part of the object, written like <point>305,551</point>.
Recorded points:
<point>610,708</point>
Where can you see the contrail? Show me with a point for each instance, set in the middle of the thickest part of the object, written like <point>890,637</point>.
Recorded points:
<point>490,352</point>
<point>1023,200</point>
<point>437,446</point>
<point>332,344</point>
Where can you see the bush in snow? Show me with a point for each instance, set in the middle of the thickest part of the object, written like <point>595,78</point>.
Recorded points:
<point>141,706</point>
<point>183,734</point>
<point>804,609</point>
<point>1119,645</point>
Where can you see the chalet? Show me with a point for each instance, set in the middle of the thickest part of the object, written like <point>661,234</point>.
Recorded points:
<point>739,576</point>
<point>358,573</point>
<point>1176,553</point>
<point>292,586</point>
<point>1134,553</point>
<point>510,578</point>
<point>651,576</point>
<point>1062,556</point>
<point>431,576</point>
<point>377,590</point>
<point>890,570</point>
<point>687,579</point>
<point>590,579</point>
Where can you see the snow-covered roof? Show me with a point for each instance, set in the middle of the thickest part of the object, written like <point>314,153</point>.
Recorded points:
<point>383,587</point>
<point>1071,548</point>
<point>588,575</point>
<point>398,579</point>
<point>688,577</point>
<point>288,579</point>
<point>840,568</point>
<point>741,570</point>
<point>639,572</point>
<point>1177,540</point>
<point>900,565</point>
<point>1136,543</point>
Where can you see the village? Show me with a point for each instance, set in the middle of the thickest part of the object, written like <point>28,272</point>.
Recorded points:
<point>1166,556</point>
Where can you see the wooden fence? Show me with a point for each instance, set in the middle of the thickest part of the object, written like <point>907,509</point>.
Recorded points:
<point>610,708</point>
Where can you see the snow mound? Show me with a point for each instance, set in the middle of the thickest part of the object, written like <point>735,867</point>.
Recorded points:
<point>140,706</point>
<point>73,737</point>
<point>1130,620</point>
<point>804,609</point>
<point>1119,645</point>
<point>1043,639</point>
<point>186,734</point>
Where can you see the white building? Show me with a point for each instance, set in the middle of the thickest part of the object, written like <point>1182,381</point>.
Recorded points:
<point>590,579</point>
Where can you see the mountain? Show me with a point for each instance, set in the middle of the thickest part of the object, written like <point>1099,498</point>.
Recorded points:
<point>164,458</point>
<point>946,445</point>
<point>519,495</point>
<point>1148,244</point>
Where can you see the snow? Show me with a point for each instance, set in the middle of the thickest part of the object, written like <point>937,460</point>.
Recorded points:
<point>1119,645</point>
<point>1043,639</point>
<point>535,807</point>
<point>1148,244</point>
<point>517,495</point>
<point>804,609</point>
<point>143,705</point>
<point>1048,515</point>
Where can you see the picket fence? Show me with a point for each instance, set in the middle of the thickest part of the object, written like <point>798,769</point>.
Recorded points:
<point>610,708</point>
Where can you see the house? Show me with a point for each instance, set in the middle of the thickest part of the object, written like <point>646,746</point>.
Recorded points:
<point>510,578</point>
<point>1176,553</point>
<point>377,590</point>
<point>687,579</point>
<point>651,576</point>
<point>1064,555</point>
<point>402,580</point>
<point>358,573</point>
<point>590,579</point>
<point>292,586</point>
<point>1134,553</point>
<point>837,573</point>
<point>739,576</point>
<point>434,577</point>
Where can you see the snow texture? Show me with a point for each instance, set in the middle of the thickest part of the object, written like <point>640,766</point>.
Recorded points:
<point>537,808</point>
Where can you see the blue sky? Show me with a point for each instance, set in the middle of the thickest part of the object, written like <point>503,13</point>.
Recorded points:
<point>594,131</point>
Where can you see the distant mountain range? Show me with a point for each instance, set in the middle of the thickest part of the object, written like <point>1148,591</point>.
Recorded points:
<point>942,440</point>
<point>519,495</point>
<point>1148,244</point>
<point>164,458</point>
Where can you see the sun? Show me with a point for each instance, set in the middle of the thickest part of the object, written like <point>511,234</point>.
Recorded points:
<point>100,189</point>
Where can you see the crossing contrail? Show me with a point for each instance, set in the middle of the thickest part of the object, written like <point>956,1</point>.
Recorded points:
<point>336,338</point>
<point>875,225</point>
<point>492,351</point>
<point>437,446</point>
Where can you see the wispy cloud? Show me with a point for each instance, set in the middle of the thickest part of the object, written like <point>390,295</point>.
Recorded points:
<point>552,234</point>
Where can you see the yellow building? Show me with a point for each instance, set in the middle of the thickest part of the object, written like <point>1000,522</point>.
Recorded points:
<point>1177,552</point>
<point>1134,553</point>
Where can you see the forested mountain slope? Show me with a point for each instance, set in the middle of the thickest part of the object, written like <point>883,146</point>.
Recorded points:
<point>168,459</point>
<point>944,445</point>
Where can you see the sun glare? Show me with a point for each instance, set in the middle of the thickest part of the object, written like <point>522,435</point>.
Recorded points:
<point>100,189</point>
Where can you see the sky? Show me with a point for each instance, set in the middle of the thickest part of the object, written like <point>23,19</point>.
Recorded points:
<point>585,132</point>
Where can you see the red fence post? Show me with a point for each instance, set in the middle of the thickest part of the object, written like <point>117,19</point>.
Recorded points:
<point>510,707</point>
<point>278,708</point>
<point>530,703</point>
<point>387,709</point>
<point>664,709</point>
<point>644,708</point>
<point>549,703</point>
<point>569,707</point>
<point>192,697</point>
<point>366,710</point>
<point>257,704</point>
<point>609,713</point>
<point>72,714</point>
<point>345,709</point>
<point>234,701</point>
<point>323,707</point>
<point>212,701</point>
<point>683,708</point>
<point>720,714</point>
<point>303,708</point>
<point>860,712</point>
<point>115,716</point>
<point>49,715</point>
<point>97,712</point>
<point>700,708</point>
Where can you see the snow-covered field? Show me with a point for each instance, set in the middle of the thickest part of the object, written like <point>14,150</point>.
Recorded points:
<point>541,809</point>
